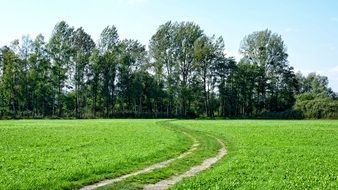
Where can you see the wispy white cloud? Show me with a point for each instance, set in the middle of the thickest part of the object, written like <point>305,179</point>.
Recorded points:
<point>334,19</point>
<point>329,47</point>
<point>289,29</point>
<point>332,48</point>
<point>132,2</point>
<point>335,69</point>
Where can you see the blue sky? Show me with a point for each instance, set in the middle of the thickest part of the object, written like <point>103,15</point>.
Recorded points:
<point>308,27</point>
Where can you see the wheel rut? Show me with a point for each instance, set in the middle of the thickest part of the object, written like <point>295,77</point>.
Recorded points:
<point>172,180</point>
<point>146,169</point>
<point>166,183</point>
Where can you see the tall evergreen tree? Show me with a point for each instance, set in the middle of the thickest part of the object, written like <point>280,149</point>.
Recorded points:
<point>83,46</point>
<point>275,82</point>
<point>108,60</point>
<point>60,51</point>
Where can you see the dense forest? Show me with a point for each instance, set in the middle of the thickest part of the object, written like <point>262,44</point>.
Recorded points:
<point>183,73</point>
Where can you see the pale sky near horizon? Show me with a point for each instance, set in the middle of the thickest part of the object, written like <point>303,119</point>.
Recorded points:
<point>308,27</point>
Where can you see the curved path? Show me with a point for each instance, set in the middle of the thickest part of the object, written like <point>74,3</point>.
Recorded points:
<point>145,170</point>
<point>165,184</point>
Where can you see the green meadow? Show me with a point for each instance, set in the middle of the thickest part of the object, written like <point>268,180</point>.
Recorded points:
<point>262,154</point>
<point>45,154</point>
<point>271,155</point>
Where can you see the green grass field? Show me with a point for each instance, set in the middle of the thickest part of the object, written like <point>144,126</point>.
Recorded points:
<point>46,154</point>
<point>56,154</point>
<point>271,155</point>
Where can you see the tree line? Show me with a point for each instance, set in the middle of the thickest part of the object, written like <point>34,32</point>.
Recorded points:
<point>183,73</point>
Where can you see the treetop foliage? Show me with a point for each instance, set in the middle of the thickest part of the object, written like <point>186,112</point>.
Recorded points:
<point>185,73</point>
